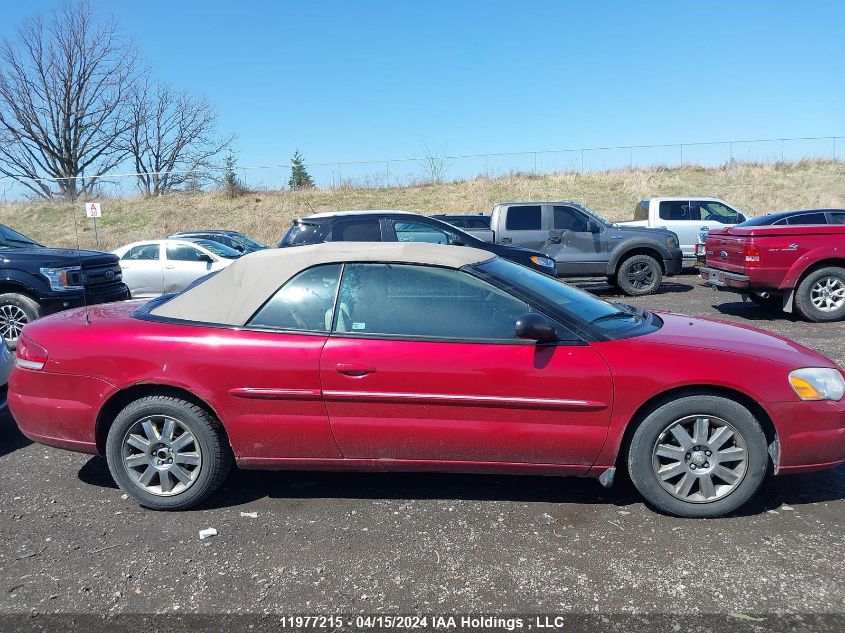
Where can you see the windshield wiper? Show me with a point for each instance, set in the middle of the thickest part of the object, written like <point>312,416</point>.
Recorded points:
<point>619,314</point>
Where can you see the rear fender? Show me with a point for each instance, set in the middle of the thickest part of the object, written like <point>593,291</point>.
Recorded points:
<point>810,258</point>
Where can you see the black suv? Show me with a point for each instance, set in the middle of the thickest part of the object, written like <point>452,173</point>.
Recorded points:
<point>35,280</point>
<point>401,226</point>
<point>233,239</point>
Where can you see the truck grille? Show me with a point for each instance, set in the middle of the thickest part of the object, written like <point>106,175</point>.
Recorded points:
<point>102,274</point>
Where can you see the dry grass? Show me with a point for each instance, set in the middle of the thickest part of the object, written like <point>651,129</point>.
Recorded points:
<point>756,188</point>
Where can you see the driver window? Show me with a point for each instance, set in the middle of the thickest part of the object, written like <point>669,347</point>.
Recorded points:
<point>183,253</point>
<point>715,212</point>
<point>570,219</point>
<point>304,303</point>
<point>419,232</point>
<point>423,301</point>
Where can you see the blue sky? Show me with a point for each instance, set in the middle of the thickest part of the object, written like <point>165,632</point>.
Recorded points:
<point>357,80</point>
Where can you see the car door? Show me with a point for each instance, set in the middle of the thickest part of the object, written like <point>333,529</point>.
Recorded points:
<point>143,270</point>
<point>422,365</point>
<point>579,250</point>
<point>184,263</point>
<point>524,226</point>
<point>684,219</point>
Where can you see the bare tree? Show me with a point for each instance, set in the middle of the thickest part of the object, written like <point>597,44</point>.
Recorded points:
<point>173,138</point>
<point>434,163</point>
<point>63,87</point>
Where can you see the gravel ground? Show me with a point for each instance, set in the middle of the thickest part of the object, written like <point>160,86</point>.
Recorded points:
<point>349,543</point>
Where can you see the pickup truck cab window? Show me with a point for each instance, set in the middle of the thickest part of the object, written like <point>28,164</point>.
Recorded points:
<point>304,303</point>
<point>808,218</point>
<point>570,219</point>
<point>837,217</point>
<point>364,230</point>
<point>524,218</point>
<point>409,301</point>
<point>715,212</point>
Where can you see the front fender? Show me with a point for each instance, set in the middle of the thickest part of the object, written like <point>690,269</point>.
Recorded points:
<point>809,258</point>
<point>621,250</point>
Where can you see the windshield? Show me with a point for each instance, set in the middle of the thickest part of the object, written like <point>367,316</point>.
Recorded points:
<point>246,241</point>
<point>596,217</point>
<point>221,250</point>
<point>10,238</point>
<point>546,292</point>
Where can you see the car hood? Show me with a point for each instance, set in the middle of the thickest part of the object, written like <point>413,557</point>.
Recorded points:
<point>701,333</point>
<point>57,256</point>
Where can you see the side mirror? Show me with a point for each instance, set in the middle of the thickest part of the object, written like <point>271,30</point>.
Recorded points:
<point>740,217</point>
<point>535,327</point>
<point>206,258</point>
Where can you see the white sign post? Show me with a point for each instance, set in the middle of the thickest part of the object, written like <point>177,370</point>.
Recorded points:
<point>93,211</point>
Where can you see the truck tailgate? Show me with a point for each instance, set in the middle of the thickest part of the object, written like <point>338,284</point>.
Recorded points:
<point>726,252</point>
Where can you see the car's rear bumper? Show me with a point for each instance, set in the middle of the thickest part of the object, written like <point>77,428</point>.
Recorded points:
<point>67,418</point>
<point>811,435</point>
<point>724,280</point>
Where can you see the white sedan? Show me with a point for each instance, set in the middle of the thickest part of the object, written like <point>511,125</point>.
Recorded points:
<point>155,267</point>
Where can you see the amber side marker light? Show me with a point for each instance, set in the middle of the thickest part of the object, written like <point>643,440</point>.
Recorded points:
<point>817,383</point>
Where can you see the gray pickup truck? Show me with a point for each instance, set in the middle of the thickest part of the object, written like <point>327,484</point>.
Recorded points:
<point>583,244</point>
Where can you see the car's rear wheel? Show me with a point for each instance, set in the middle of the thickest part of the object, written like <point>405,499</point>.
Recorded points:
<point>698,456</point>
<point>167,453</point>
<point>16,310</point>
<point>639,275</point>
<point>821,295</point>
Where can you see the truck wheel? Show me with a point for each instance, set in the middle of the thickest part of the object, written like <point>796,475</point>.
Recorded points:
<point>16,310</point>
<point>698,456</point>
<point>167,453</point>
<point>821,295</point>
<point>639,275</point>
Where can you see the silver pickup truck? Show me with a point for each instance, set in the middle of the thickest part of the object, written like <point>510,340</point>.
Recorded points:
<point>583,244</point>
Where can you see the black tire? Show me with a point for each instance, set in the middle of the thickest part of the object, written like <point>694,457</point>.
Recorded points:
<point>12,305</point>
<point>209,442</point>
<point>644,464</point>
<point>613,282</point>
<point>639,275</point>
<point>772,303</point>
<point>808,290</point>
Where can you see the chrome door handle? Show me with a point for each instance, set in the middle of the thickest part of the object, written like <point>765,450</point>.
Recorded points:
<point>169,267</point>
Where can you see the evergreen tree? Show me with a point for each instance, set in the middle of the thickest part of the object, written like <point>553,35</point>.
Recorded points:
<point>231,184</point>
<point>299,176</point>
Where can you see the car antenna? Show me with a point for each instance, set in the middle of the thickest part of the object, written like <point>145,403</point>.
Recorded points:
<point>79,255</point>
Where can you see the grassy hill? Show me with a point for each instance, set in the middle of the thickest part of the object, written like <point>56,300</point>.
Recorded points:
<point>756,188</point>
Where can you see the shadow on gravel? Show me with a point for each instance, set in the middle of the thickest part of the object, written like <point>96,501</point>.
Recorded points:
<point>11,439</point>
<point>245,486</point>
<point>752,312</point>
<point>605,290</point>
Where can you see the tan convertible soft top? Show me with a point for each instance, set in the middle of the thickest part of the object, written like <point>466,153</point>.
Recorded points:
<point>234,294</point>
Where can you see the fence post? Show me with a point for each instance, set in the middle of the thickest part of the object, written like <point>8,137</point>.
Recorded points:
<point>732,152</point>
<point>486,166</point>
<point>630,158</point>
<point>582,160</point>
<point>781,150</point>
<point>387,172</point>
<point>834,149</point>
<point>339,177</point>
<point>682,154</point>
<point>535,158</point>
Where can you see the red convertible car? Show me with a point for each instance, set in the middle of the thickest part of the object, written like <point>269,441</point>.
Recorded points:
<point>426,358</point>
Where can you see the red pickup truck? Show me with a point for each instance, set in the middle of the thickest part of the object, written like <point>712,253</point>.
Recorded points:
<point>797,268</point>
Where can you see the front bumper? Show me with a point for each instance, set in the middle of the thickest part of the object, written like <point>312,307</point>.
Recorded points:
<point>811,434</point>
<point>723,280</point>
<point>58,301</point>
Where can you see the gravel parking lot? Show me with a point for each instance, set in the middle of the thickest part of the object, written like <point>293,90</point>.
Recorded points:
<point>348,542</point>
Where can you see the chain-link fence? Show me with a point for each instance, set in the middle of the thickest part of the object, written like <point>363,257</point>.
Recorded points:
<point>442,167</point>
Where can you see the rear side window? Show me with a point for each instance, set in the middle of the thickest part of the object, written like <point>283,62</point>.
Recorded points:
<point>300,233</point>
<point>420,232</point>
<point>677,210</point>
<point>356,231</point>
<point>526,218</point>
<point>304,303</point>
<point>808,218</point>
<point>477,222</point>
<point>837,217</point>
<point>423,301</point>
<point>143,252</point>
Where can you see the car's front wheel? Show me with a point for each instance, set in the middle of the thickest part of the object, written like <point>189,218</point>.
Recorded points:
<point>698,456</point>
<point>639,275</point>
<point>167,453</point>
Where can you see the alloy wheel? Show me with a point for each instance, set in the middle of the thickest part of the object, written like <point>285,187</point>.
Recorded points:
<point>12,320</point>
<point>700,458</point>
<point>641,275</point>
<point>828,294</point>
<point>161,455</point>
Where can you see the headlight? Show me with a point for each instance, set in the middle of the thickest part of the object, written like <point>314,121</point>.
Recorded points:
<point>817,383</point>
<point>545,262</point>
<point>672,241</point>
<point>68,278</point>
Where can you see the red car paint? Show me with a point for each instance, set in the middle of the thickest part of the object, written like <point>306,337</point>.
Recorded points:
<point>314,401</point>
<point>770,257</point>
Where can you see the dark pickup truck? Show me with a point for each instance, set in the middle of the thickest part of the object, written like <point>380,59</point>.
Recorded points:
<point>36,280</point>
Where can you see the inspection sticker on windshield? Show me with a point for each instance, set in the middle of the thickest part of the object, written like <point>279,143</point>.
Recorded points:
<point>359,326</point>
